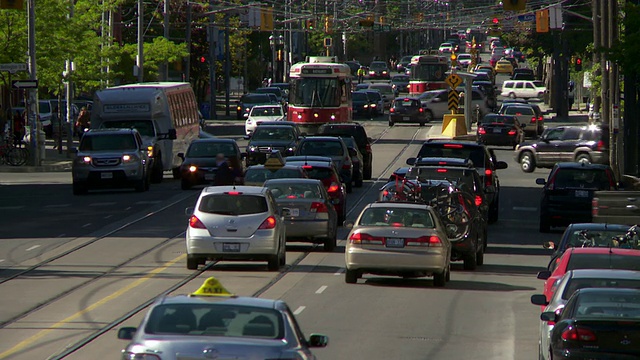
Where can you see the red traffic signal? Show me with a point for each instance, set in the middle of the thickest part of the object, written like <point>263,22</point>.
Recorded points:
<point>203,59</point>
<point>495,20</point>
<point>578,61</point>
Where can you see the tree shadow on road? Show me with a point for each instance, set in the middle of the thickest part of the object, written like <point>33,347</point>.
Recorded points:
<point>451,285</point>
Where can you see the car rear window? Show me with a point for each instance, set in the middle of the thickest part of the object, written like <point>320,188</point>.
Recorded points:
<point>266,111</point>
<point>321,148</point>
<point>397,217</point>
<point>359,96</point>
<point>225,204</point>
<point>295,191</point>
<point>273,133</point>
<point>582,178</point>
<point>518,110</point>
<point>598,238</point>
<point>216,320</point>
<point>462,177</point>
<point>260,175</point>
<point>384,89</point>
<point>603,261</point>
<point>491,119</point>
<point>577,284</point>
<point>255,98</point>
<point>206,149</point>
<point>357,132</point>
<point>104,142</point>
<point>474,153</point>
<point>406,103</point>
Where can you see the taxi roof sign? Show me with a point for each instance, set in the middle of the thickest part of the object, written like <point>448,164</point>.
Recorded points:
<point>212,287</point>
<point>274,161</point>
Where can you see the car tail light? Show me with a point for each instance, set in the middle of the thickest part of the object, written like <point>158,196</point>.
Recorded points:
<point>367,148</point>
<point>347,164</point>
<point>481,131</point>
<point>421,110</point>
<point>578,334</point>
<point>442,170</point>
<point>364,238</point>
<point>533,119</point>
<point>268,223</point>
<point>307,167</point>
<point>600,146</point>
<point>333,187</point>
<point>453,146</point>
<point>594,207</point>
<point>195,223</point>
<point>478,200</point>
<point>233,193</point>
<point>392,110</point>
<point>488,177</point>
<point>385,193</point>
<point>540,118</point>
<point>318,207</point>
<point>512,132</point>
<point>431,241</point>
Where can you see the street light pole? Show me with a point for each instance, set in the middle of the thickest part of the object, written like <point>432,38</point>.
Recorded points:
<point>140,59</point>
<point>32,104</point>
<point>272,43</point>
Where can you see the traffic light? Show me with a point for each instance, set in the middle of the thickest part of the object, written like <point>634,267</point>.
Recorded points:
<point>513,5</point>
<point>454,60</point>
<point>327,25</point>
<point>578,64</point>
<point>495,20</point>
<point>311,24</point>
<point>12,4</point>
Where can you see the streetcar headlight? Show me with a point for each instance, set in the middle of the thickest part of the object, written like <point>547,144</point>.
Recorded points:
<point>299,116</point>
<point>315,115</point>
<point>333,117</point>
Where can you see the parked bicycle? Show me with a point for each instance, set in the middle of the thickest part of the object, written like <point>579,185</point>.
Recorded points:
<point>13,153</point>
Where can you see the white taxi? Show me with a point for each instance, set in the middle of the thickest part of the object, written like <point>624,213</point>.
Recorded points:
<point>260,113</point>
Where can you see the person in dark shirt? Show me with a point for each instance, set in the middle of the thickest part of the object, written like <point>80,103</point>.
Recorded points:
<point>224,174</point>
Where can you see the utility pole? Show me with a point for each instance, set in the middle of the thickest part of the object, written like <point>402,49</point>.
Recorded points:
<point>595,10</point>
<point>164,73</point>
<point>614,94</point>
<point>69,74</point>
<point>187,59</point>
<point>32,102</point>
<point>140,58</point>
<point>631,128</point>
<point>212,61</point>
<point>227,63</point>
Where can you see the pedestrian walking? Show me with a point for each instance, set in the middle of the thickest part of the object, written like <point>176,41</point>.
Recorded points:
<point>83,122</point>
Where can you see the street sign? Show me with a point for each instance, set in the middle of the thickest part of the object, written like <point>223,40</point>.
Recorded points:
<point>327,42</point>
<point>386,28</point>
<point>527,18</point>
<point>24,84</point>
<point>13,67</point>
<point>453,80</point>
<point>454,99</point>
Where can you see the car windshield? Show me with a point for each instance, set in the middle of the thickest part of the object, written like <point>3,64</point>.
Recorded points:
<point>473,153</point>
<point>321,148</point>
<point>260,175</point>
<point>266,111</point>
<point>576,284</point>
<point>356,96</point>
<point>581,178</point>
<point>387,89</point>
<point>397,217</point>
<point>608,305</point>
<point>294,191</point>
<point>225,204</point>
<point>538,83</point>
<point>110,142</point>
<point>215,320</point>
<point>144,127</point>
<point>273,133</point>
<point>210,149</point>
<point>378,65</point>
<point>491,119</point>
<point>603,261</point>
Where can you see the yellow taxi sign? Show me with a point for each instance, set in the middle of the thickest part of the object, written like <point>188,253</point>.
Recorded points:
<point>212,287</point>
<point>274,161</point>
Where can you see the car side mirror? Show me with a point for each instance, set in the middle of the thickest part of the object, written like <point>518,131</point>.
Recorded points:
<point>549,245</point>
<point>181,156</point>
<point>541,181</point>
<point>544,275</point>
<point>410,161</point>
<point>318,340</point>
<point>348,224</point>
<point>539,299</point>
<point>353,152</point>
<point>189,211</point>
<point>501,165</point>
<point>126,333</point>
<point>172,134</point>
<point>549,316</point>
<point>247,137</point>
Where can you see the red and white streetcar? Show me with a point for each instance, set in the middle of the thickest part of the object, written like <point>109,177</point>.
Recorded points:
<point>428,72</point>
<point>319,93</point>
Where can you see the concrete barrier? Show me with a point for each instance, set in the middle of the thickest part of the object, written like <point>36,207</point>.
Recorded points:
<point>454,125</point>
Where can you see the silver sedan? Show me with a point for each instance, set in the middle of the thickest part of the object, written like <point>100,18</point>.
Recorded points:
<point>308,212</point>
<point>401,239</point>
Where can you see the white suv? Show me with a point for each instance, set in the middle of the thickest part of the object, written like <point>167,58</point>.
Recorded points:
<point>525,89</point>
<point>436,103</point>
<point>236,223</point>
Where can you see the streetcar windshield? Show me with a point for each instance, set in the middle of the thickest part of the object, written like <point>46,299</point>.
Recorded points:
<point>315,92</point>
<point>429,72</point>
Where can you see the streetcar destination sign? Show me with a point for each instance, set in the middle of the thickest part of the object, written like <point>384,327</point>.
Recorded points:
<point>317,71</point>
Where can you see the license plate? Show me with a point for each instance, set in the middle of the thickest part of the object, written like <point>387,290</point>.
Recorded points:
<point>406,118</point>
<point>209,176</point>
<point>582,193</point>
<point>295,212</point>
<point>497,131</point>
<point>106,175</point>
<point>395,242</point>
<point>230,247</point>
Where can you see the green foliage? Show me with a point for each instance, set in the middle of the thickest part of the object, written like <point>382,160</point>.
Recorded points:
<point>627,51</point>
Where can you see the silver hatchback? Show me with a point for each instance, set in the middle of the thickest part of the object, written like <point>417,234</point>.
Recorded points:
<point>235,223</point>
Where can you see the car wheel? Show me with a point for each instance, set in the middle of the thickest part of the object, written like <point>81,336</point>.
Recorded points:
<point>330,243</point>
<point>349,187</point>
<point>421,124</point>
<point>273,262</point>
<point>429,115</point>
<point>390,123</point>
<point>141,185</point>
<point>157,173</point>
<point>470,261</point>
<point>527,163</point>
<point>282,259</point>
<point>480,254</point>
<point>448,273</point>
<point>79,189</point>
<point>494,210</point>
<point>440,280</point>
<point>512,95</point>
<point>367,172</point>
<point>350,276</point>
<point>185,184</point>
<point>583,159</point>
<point>545,225</point>
<point>175,172</point>
<point>359,179</point>
<point>192,262</point>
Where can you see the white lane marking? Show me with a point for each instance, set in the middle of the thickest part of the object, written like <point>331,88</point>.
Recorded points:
<point>11,207</point>
<point>110,203</point>
<point>32,247</point>
<point>1,260</point>
<point>321,289</point>
<point>524,208</point>
<point>108,216</point>
<point>61,235</point>
<point>129,208</point>
<point>299,310</point>
<point>147,202</point>
<point>86,225</point>
<point>339,272</point>
<point>57,206</point>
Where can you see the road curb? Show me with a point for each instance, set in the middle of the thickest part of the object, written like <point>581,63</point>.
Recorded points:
<point>61,166</point>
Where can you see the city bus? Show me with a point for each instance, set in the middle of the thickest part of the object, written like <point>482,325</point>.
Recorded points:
<point>320,93</point>
<point>165,114</point>
<point>428,72</point>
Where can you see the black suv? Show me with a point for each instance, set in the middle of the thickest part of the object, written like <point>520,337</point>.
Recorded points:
<point>358,132</point>
<point>267,138</point>
<point>484,160</point>
<point>568,191</point>
<point>583,144</point>
<point>248,101</point>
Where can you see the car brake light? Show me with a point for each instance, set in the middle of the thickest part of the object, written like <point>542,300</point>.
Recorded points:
<point>481,131</point>
<point>268,223</point>
<point>488,177</point>
<point>442,170</point>
<point>333,187</point>
<point>195,223</point>
<point>431,241</point>
<point>364,238</point>
<point>367,148</point>
<point>233,193</point>
<point>347,164</point>
<point>318,207</point>
<point>512,132</point>
<point>392,110</point>
<point>385,193</point>
<point>307,167</point>
<point>540,118</point>
<point>533,119</point>
<point>594,207</point>
<point>600,145</point>
<point>478,200</point>
<point>578,334</point>
<point>453,146</point>
<point>421,110</point>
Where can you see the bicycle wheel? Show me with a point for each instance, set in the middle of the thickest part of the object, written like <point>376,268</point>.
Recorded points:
<point>17,156</point>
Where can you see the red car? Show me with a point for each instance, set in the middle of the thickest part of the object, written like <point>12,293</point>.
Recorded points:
<point>588,258</point>
<point>322,168</point>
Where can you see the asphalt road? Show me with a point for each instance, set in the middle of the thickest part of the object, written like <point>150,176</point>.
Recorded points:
<point>73,267</point>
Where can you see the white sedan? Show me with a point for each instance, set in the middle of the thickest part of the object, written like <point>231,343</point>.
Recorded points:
<point>260,113</point>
